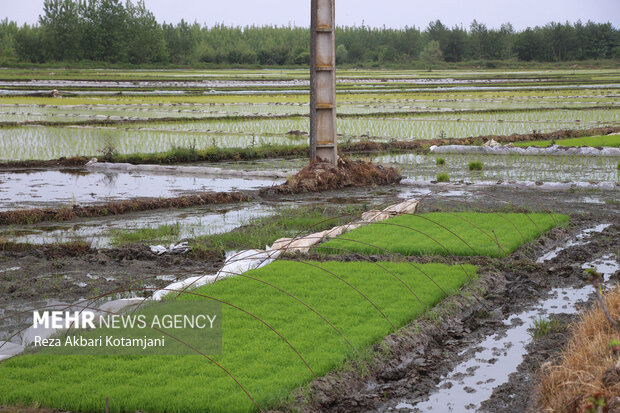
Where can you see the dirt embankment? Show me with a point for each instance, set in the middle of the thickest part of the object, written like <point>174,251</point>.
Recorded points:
<point>323,176</point>
<point>31,216</point>
<point>74,161</point>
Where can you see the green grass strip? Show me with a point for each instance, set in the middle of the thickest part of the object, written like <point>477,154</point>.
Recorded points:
<point>162,233</point>
<point>440,233</point>
<point>608,141</point>
<point>258,358</point>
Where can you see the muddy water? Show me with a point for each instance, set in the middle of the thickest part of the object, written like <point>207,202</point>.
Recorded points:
<point>45,188</point>
<point>495,358</point>
<point>489,363</point>
<point>98,232</point>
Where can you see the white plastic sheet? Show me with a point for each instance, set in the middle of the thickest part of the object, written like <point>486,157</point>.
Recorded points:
<point>509,150</point>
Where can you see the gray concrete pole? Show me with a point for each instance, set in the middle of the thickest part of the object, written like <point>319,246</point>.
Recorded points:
<point>323,81</point>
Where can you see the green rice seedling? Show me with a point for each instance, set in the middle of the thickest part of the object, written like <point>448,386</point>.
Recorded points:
<point>162,233</point>
<point>476,166</point>
<point>543,327</point>
<point>443,177</point>
<point>288,222</point>
<point>441,161</point>
<point>259,359</point>
<point>462,233</point>
<point>609,141</point>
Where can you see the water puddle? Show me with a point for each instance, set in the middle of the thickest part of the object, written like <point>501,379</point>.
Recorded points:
<point>490,362</point>
<point>98,232</point>
<point>473,381</point>
<point>580,239</point>
<point>607,265</point>
<point>35,189</point>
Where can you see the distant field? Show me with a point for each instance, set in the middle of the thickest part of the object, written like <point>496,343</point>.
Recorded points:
<point>155,111</point>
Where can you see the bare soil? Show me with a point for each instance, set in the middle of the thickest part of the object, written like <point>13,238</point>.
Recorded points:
<point>62,273</point>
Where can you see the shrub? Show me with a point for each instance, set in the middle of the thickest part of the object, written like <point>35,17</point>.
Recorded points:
<point>442,161</point>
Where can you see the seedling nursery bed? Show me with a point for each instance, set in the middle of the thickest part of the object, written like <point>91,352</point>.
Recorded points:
<point>447,233</point>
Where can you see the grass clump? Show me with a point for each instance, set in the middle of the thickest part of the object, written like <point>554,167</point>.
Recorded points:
<point>442,233</point>
<point>262,362</point>
<point>441,161</point>
<point>178,155</point>
<point>609,141</point>
<point>443,177</point>
<point>543,327</point>
<point>162,233</point>
<point>476,166</point>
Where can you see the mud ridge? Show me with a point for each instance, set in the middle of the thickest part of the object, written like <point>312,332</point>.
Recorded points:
<point>373,146</point>
<point>32,216</point>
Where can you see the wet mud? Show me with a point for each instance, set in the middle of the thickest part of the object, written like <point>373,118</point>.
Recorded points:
<point>33,274</point>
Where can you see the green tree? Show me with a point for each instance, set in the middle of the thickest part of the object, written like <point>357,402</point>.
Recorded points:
<point>105,36</point>
<point>480,36</point>
<point>145,37</point>
<point>342,54</point>
<point>60,29</point>
<point>456,45</point>
<point>8,32</point>
<point>28,44</point>
<point>431,55</point>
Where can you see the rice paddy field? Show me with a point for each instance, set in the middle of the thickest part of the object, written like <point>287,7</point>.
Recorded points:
<point>154,111</point>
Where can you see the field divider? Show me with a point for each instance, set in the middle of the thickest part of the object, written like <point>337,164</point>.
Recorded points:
<point>95,165</point>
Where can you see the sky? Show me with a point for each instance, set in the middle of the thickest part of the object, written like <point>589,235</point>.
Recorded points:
<point>389,13</point>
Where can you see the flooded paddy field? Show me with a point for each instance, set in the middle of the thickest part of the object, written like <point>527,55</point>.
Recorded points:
<point>41,188</point>
<point>478,357</point>
<point>250,109</point>
<point>426,167</point>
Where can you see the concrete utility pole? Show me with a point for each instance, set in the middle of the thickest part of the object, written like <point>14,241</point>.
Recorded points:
<point>323,81</point>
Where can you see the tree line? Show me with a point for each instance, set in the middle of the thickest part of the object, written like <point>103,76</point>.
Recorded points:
<point>114,31</point>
